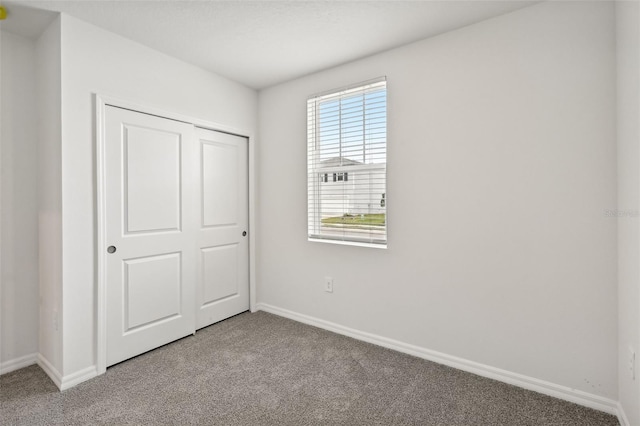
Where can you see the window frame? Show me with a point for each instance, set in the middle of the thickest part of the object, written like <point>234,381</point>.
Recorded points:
<point>315,173</point>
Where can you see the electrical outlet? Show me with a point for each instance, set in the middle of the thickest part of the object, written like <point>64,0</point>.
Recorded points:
<point>328,284</point>
<point>632,363</point>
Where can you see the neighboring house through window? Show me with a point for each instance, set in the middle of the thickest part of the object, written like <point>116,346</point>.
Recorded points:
<point>347,159</point>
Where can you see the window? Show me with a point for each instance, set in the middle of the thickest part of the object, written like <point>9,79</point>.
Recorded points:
<point>343,177</point>
<point>339,177</point>
<point>347,164</point>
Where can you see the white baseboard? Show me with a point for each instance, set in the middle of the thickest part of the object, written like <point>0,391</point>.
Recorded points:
<point>68,381</point>
<point>78,377</point>
<point>622,416</point>
<point>51,371</point>
<point>547,388</point>
<point>18,363</point>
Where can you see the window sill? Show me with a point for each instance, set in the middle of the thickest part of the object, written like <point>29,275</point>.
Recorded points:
<point>347,243</point>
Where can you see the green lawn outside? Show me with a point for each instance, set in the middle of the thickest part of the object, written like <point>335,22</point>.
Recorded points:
<point>373,219</point>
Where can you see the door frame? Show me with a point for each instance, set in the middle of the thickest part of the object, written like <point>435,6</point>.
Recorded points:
<point>101,101</point>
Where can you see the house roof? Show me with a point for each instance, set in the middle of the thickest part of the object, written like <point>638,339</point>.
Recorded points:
<point>339,161</point>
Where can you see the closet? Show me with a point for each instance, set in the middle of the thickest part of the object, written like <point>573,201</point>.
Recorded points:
<point>175,217</point>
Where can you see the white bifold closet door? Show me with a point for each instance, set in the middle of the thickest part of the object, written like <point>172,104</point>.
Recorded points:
<point>175,210</point>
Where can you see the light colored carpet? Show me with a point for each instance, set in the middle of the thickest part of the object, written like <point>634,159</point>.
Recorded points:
<point>260,369</point>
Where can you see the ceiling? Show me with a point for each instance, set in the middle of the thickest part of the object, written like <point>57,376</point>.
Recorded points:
<point>263,43</point>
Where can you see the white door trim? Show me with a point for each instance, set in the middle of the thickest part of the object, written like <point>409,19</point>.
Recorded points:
<point>101,101</point>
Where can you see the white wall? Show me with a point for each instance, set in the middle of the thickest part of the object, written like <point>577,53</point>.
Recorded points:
<point>501,164</point>
<point>628,49</point>
<point>96,61</point>
<point>48,69</point>
<point>18,192</point>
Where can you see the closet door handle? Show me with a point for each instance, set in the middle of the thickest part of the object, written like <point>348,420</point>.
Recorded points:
<point>111,249</point>
<point>244,233</point>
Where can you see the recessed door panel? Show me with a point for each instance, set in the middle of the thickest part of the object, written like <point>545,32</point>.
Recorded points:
<point>220,273</point>
<point>219,184</point>
<point>152,179</point>
<point>152,290</point>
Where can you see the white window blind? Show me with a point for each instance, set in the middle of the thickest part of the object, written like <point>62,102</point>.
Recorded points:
<point>347,164</point>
